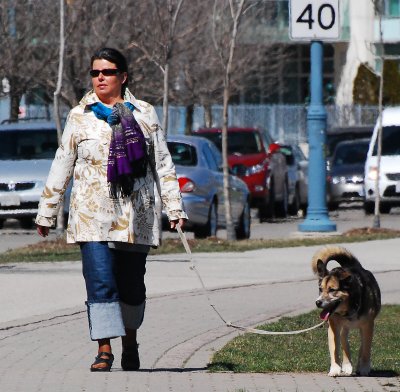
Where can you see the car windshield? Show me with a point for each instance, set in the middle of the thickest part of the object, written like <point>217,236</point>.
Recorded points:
<point>182,154</point>
<point>238,142</point>
<point>390,141</point>
<point>26,145</point>
<point>350,154</point>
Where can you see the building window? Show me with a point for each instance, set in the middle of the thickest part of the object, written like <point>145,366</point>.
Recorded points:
<point>295,87</point>
<point>392,7</point>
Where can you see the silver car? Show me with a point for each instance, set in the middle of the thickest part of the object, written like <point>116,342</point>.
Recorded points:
<point>297,172</point>
<point>346,173</point>
<point>26,153</point>
<point>198,166</point>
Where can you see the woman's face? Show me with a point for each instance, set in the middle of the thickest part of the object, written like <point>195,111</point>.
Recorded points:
<point>107,88</point>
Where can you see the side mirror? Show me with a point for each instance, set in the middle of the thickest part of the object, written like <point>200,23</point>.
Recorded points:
<point>273,148</point>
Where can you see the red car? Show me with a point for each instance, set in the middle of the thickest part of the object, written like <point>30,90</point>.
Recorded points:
<point>257,160</point>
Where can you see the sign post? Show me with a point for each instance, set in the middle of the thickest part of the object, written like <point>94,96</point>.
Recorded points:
<point>316,21</point>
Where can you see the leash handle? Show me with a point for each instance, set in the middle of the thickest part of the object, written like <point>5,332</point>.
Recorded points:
<point>183,239</point>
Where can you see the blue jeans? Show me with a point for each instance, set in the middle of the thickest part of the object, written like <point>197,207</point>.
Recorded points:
<point>115,288</point>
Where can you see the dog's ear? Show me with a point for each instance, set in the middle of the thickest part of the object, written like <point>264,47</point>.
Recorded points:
<point>321,269</point>
<point>346,278</point>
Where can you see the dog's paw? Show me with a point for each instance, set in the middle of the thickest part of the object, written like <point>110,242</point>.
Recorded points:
<point>334,371</point>
<point>347,369</point>
<point>364,370</point>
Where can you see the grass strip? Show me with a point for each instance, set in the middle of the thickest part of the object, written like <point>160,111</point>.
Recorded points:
<point>308,352</point>
<point>59,250</point>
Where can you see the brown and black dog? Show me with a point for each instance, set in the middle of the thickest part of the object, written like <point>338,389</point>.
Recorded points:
<point>349,298</point>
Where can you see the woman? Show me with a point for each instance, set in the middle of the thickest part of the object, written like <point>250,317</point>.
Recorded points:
<point>115,149</point>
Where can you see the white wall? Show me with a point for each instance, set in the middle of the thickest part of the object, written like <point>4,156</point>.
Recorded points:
<point>361,14</point>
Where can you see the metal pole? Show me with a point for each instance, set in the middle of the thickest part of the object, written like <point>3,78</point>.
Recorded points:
<point>317,218</point>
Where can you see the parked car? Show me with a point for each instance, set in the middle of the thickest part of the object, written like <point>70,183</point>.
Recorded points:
<point>346,173</point>
<point>389,178</point>
<point>257,160</point>
<point>297,166</point>
<point>198,166</point>
<point>26,152</point>
<point>336,135</point>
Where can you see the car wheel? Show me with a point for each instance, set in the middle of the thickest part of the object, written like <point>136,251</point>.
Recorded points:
<point>384,208</point>
<point>332,206</point>
<point>281,207</point>
<point>295,206</point>
<point>26,223</point>
<point>369,207</point>
<point>210,228</point>
<point>266,209</point>
<point>243,230</point>
<point>1,223</point>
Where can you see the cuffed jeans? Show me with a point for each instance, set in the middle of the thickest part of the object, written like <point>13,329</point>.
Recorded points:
<point>116,292</point>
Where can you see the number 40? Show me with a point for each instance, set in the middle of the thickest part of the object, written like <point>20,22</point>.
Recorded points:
<point>307,16</point>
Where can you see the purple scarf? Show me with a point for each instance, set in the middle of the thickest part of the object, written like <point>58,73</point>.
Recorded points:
<point>127,159</point>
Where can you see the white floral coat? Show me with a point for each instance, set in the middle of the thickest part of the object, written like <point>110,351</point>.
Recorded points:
<point>83,153</point>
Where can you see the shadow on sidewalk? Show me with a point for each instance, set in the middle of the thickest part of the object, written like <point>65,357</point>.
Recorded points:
<point>383,373</point>
<point>165,370</point>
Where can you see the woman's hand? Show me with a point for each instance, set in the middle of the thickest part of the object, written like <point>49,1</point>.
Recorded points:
<point>43,231</point>
<point>174,223</point>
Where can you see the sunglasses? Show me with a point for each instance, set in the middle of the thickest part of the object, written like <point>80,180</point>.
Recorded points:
<point>94,73</point>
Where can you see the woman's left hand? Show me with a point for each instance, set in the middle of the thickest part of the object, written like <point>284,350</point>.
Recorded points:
<point>174,223</point>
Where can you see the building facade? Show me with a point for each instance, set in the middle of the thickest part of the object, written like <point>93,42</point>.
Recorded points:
<point>359,43</point>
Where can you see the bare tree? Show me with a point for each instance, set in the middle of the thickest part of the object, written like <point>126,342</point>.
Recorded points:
<point>26,47</point>
<point>224,37</point>
<point>57,116</point>
<point>195,68</point>
<point>88,26</point>
<point>156,40</point>
<point>197,65</point>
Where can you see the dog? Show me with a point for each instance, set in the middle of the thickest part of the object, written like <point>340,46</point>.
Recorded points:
<point>349,298</point>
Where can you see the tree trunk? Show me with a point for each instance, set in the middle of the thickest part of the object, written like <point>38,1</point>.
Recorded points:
<point>189,119</point>
<point>57,116</point>
<point>377,219</point>
<point>165,99</point>
<point>230,231</point>
<point>207,116</point>
<point>15,100</point>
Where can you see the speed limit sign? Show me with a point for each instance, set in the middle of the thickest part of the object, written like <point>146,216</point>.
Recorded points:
<point>314,20</point>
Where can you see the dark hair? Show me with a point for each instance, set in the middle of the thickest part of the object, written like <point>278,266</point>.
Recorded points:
<point>116,57</point>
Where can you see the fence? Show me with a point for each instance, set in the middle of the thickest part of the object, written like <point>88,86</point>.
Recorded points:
<point>286,123</point>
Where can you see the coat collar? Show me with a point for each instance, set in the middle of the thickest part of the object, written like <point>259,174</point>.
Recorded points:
<point>91,97</point>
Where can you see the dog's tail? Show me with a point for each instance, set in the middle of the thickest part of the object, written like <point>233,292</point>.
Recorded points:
<point>337,253</point>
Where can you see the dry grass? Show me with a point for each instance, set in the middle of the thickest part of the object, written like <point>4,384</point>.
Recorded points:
<point>59,250</point>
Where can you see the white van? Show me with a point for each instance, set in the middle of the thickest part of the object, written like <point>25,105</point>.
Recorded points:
<point>389,181</point>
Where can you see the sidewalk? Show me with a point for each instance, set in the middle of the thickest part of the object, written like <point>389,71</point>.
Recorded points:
<point>43,327</point>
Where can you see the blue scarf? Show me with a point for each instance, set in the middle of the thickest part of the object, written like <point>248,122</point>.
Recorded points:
<point>103,112</point>
<point>127,158</point>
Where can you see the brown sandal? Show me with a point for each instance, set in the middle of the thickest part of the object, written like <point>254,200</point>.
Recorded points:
<point>108,361</point>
